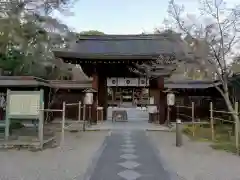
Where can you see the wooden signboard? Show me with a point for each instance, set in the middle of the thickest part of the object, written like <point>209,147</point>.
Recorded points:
<point>25,105</point>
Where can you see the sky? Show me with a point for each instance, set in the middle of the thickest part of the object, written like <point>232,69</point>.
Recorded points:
<point>121,16</point>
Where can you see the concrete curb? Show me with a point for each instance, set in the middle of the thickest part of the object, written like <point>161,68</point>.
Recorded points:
<point>172,175</point>
<point>87,130</point>
<point>163,130</point>
<point>91,167</point>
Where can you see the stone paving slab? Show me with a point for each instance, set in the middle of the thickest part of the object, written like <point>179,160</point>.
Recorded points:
<point>195,160</point>
<point>131,125</point>
<point>129,155</point>
<point>67,163</point>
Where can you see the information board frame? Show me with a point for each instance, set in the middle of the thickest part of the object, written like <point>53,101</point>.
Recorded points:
<point>39,116</point>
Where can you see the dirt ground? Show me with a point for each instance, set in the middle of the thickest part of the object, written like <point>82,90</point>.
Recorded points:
<point>67,163</point>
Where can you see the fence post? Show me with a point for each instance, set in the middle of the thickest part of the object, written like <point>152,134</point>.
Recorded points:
<point>41,122</point>
<point>193,120</point>
<point>178,133</point>
<point>84,117</point>
<point>211,120</point>
<point>237,128</point>
<point>177,111</point>
<point>102,115</point>
<point>168,115</point>
<point>79,110</point>
<point>90,115</point>
<point>97,114</point>
<point>63,122</point>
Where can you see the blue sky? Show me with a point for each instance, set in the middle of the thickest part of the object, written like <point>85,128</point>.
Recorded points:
<point>121,16</point>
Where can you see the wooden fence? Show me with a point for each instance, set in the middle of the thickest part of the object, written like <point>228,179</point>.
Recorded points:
<point>218,126</point>
<point>188,115</point>
<point>215,120</point>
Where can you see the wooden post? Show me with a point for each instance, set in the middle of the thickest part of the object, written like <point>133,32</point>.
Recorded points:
<point>40,124</point>
<point>97,114</point>
<point>177,107</point>
<point>120,97</point>
<point>84,117</point>
<point>112,101</point>
<point>237,128</point>
<point>211,120</point>
<point>79,110</point>
<point>7,118</point>
<point>168,115</point>
<point>90,115</point>
<point>102,115</point>
<point>193,120</point>
<point>63,123</point>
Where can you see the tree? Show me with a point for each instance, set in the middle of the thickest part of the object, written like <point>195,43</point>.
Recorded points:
<point>165,64</point>
<point>186,70</point>
<point>28,30</point>
<point>212,37</point>
<point>235,65</point>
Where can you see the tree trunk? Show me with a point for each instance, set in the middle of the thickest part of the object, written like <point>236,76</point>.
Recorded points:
<point>231,110</point>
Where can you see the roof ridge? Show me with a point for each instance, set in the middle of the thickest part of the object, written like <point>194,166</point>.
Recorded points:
<point>124,37</point>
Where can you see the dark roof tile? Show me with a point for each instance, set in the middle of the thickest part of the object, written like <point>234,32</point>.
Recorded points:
<point>124,45</point>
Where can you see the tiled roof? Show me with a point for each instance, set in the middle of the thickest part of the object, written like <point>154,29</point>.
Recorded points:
<point>69,84</point>
<point>123,45</point>
<point>22,81</point>
<point>190,84</point>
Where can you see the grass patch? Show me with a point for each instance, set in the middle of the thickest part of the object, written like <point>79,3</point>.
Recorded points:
<point>226,146</point>
<point>201,132</point>
<point>224,136</point>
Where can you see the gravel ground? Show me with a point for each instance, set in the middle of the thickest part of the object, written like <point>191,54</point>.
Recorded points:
<point>196,160</point>
<point>67,163</point>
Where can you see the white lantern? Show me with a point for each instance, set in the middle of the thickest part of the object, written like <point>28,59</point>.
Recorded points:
<point>170,99</point>
<point>88,98</point>
<point>152,109</point>
<point>151,100</point>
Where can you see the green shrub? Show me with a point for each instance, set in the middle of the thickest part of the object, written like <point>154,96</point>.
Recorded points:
<point>16,125</point>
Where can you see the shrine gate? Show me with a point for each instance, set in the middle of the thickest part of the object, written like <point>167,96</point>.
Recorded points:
<point>111,59</point>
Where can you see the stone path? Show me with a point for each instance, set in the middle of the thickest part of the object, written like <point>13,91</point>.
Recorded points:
<point>128,155</point>
<point>195,160</point>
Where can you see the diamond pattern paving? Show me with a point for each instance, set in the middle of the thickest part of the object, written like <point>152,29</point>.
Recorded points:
<point>128,142</point>
<point>129,150</point>
<point>129,156</point>
<point>129,164</point>
<point>128,145</point>
<point>129,175</point>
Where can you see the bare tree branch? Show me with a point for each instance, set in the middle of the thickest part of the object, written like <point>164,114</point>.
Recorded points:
<point>213,41</point>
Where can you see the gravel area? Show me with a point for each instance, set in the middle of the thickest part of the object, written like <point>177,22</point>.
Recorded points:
<point>195,160</point>
<point>67,163</point>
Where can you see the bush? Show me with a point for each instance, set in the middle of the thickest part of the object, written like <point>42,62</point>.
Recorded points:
<point>13,125</point>
<point>16,125</point>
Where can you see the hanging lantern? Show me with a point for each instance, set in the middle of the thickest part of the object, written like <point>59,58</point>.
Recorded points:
<point>170,99</point>
<point>88,99</point>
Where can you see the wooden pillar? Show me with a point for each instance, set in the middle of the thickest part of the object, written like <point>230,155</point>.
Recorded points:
<point>114,96</point>
<point>94,106</point>
<point>102,94</point>
<point>156,90</point>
